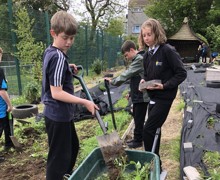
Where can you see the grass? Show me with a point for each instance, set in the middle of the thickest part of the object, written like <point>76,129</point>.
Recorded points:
<point>212,160</point>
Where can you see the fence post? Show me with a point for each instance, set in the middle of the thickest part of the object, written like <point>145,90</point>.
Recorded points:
<point>86,47</point>
<point>47,27</point>
<point>14,46</point>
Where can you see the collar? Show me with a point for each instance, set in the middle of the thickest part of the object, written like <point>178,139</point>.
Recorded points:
<point>155,48</point>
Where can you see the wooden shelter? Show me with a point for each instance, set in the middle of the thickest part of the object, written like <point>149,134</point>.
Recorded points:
<point>186,42</point>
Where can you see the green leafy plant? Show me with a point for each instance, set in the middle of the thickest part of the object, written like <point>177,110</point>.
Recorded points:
<point>32,92</point>
<point>97,66</point>
<point>181,105</point>
<point>141,172</point>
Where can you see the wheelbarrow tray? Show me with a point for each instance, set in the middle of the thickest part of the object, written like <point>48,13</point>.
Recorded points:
<point>94,165</point>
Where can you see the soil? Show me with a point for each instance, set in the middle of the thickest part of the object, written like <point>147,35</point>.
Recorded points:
<point>22,166</point>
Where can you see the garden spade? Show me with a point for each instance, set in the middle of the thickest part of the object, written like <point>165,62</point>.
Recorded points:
<point>110,144</point>
<point>14,140</point>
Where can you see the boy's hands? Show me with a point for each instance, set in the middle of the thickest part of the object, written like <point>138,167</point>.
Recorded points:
<point>108,79</point>
<point>74,68</point>
<point>92,107</point>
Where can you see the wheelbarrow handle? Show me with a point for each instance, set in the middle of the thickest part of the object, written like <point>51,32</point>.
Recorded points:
<point>89,97</point>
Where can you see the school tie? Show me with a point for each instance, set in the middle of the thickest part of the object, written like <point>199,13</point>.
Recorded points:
<point>151,52</point>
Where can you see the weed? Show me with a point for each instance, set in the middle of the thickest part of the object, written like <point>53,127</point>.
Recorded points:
<point>181,105</point>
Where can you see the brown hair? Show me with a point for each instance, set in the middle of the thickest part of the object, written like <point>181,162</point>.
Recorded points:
<point>62,21</point>
<point>127,45</point>
<point>157,29</point>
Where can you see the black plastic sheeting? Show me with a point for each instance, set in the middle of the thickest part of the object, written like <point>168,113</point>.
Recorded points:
<point>100,97</point>
<point>116,92</point>
<point>201,104</point>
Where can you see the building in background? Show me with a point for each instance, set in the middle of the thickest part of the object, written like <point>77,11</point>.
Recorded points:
<point>135,16</point>
<point>186,42</point>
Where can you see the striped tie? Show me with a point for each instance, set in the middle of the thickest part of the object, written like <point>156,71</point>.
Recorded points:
<point>151,52</point>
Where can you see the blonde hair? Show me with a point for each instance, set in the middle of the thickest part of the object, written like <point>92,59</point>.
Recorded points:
<point>62,21</point>
<point>157,29</point>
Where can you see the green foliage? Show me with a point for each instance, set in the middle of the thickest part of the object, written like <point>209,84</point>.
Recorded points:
<point>102,87</point>
<point>140,172</point>
<point>32,92</point>
<point>116,27</point>
<point>97,66</point>
<point>18,100</point>
<point>213,33</point>
<point>45,5</point>
<point>29,51</point>
<point>212,160</point>
<point>172,12</point>
<point>181,105</point>
<point>5,32</point>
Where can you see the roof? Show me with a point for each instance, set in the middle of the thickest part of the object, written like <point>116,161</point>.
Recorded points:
<point>137,3</point>
<point>185,33</point>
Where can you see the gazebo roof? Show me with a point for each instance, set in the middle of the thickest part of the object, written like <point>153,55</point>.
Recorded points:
<point>185,33</point>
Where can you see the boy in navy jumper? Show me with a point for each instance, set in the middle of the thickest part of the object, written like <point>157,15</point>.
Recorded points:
<point>58,98</point>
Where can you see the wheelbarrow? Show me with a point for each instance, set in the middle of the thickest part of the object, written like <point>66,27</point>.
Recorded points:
<point>94,166</point>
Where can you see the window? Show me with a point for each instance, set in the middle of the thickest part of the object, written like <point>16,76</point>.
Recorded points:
<point>136,29</point>
<point>137,10</point>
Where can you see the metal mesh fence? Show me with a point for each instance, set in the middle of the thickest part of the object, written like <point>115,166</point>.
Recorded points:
<point>104,47</point>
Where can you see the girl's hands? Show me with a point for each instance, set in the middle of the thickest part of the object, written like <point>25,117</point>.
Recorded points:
<point>155,86</point>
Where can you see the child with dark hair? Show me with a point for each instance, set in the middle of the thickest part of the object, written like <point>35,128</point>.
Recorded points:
<point>140,100</point>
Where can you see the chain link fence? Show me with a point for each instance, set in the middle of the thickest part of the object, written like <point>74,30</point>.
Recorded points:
<point>84,52</point>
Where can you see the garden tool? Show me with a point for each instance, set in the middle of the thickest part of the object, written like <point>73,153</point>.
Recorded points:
<point>110,144</point>
<point>110,103</point>
<point>14,140</point>
<point>155,140</point>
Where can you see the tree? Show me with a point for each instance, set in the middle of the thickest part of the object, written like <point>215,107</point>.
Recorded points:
<point>203,16</point>
<point>45,5</point>
<point>115,27</point>
<point>172,12</point>
<point>213,33</point>
<point>5,33</point>
<point>100,13</point>
<point>29,51</point>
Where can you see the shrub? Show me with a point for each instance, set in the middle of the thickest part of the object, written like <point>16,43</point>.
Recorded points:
<point>97,66</point>
<point>32,92</point>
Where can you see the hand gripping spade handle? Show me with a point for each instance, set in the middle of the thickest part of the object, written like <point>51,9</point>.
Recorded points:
<point>89,97</point>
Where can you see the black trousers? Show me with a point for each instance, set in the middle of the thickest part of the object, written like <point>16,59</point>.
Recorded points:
<point>157,115</point>
<point>139,113</point>
<point>4,126</point>
<point>63,148</point>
